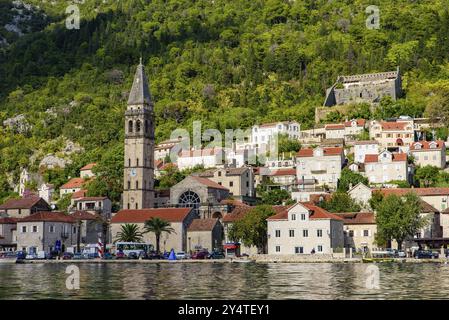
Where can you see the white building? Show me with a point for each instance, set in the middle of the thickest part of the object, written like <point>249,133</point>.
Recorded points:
<point>323,165</point>
<point>429,153</point>
<point>362,148</point>
<point>386,167</point>
<point>304,228</point>
<point>86,171</point>
<point>46,191</point>
<point>208,158</point>
<point>393,135</point>
<point>264,133</point>
<point>347,130</point>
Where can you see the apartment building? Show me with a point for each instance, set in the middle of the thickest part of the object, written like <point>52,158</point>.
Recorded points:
<point>386,167</point>
<point>239,181</point>
<point>429,153</point>
<point>363,148</point>
<point>397,135</point>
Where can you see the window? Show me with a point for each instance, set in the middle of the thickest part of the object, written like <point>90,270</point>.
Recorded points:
<point>137,184</point>
<point>138,126</point>
<point>319,233</point>
<point>24,229</point>
<point>320,248</point>
<point>231,183</point>
<point>293,216</point>
<point>278,233</point>
<point>34,229</point>
<point>129,185</point>
<point>366,233</point>
<point>137,162</point>
<point>130,126</point>
<point>303,216</point>
<point>219,173</point>
<point>51,229</point>
<point>305,233</point>
<point>291,233</point>
<point>299,250</point>
<point>351,233</point>
<point>74,230</point>
<point>278,248</point>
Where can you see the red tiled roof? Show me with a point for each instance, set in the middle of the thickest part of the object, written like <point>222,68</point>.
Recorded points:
<point>425,145</point>
<point>73,183</point>
<point>142,215</point>
<point>8,220</point>
<point>88,166</point>
<point>158,164</point>
<point>366,142</point>
<point>418,191</point>
<point>22,203</point>
<point>393,125</point>
<point>91,198</point>
<point>358,217</point>
<point>360,122</point>
<point>316,213</point>
<point>48,216</point>
<point>83,215</point>
<point>334,126</point>
<point>426,207</point>
<point>240,211</point>
<point>202,225</point>
<point>209,183</point>
<point>233,202</point>
<point>79,194</point>
<point>326,151</point>
<point>284,172</point>
<point>375,158</point>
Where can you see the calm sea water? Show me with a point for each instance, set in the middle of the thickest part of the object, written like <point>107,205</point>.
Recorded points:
<point>224,281</point>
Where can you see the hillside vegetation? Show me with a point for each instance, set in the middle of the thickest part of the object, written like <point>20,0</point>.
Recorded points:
<point>228,63</point>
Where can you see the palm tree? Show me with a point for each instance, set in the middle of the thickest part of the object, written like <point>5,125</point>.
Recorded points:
<point>129,233</point>
<point>157,226</point>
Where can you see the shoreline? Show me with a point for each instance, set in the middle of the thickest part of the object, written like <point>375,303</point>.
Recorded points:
<point>189,261</point>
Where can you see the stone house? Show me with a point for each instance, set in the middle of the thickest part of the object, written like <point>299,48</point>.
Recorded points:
<point>396,136</point>
<point>201,194</point>
<point>322,165</point>
<point>386,167</point>
<point>205,234</point>
<point>22,207</point>
<point>91,226</point>
<point>72,186</point>
<point>429,153</point>
<point>360,229</point>
<point>347,130</point>
<point>8,234</point>
<point>40,231</point>
<point>179,218</point>
<point>94,205</point>
<point>361,194</point>
<point>304,228</point>
<point>363,148</point>
<point>239,181</point>
<point>284,178</point>
<point>86,171</point>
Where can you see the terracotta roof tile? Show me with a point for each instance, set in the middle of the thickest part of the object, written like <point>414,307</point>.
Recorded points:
<point>358,217</point>
<point>83,215</point>
<point>202,225</point>
<point>22,203</point>
<point>334,126</point>
<point>393,125</point>
<point>88,166</point>
<point>326,151</point>
<point>142,215</point>
<point>425,145</point>
<point>360,122</point>
<point>316,213</point>
<point>283,172</point>
<point>209,183</point>
<point>73,183</point>
<point>8,220</point>
<point>48,216</point>
<point>79,194</point>
<point>418,191</point>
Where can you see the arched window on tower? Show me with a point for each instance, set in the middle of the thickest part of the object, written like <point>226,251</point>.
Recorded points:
<point>137,184</point>
<point>138,126</point>
<point>129,162</point>
<point>137,206</point>
<point>146,126</point>
<point>137,162</point>
<point>130,126</point>
<point>129,185</point>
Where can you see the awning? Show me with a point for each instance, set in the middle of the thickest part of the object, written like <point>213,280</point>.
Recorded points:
<point>231,245</point>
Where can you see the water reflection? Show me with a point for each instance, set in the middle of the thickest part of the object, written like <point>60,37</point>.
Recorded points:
<point>224,281</point>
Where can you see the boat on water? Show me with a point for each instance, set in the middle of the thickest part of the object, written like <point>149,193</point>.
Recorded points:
<point>379,256</point>
<point>242,260</point>
<point>374,260</point>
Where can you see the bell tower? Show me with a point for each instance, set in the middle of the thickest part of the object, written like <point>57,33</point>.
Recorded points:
<point>138,183</point>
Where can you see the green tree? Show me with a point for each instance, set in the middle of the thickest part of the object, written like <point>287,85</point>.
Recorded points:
<point>399,217</point>
<point>275,196</point>
<point>158,226</point>
<point>349,178</point>
<point>427,176</point>
<point>252,228</point>
<point>340,202</point>
<point>287,145</point>
<point>129,233</point>
<point>64,202</point>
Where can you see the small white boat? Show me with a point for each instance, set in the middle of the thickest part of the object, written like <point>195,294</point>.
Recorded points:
<point>241,260</point>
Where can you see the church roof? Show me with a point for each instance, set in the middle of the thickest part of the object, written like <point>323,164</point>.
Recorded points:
<point>140,92</point>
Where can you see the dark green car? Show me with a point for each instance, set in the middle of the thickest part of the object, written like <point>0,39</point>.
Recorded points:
<point>216,255</point>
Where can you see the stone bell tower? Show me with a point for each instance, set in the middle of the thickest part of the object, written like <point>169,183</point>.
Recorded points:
<point>138,183</point>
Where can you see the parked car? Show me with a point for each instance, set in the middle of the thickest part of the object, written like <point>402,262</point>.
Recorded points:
<point>21,255</point>
<point>200,255</point>
<point>8,255</point>
<point>133,255</point>
<point>216,255</point>
<point>77,256</point>
<point>181,255</point>
<point>154,256</point>
<point>31,256</point>
<point>67,256</point>
<point>425,254</point>
<point>401,254</point>
<point>108,256</point>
